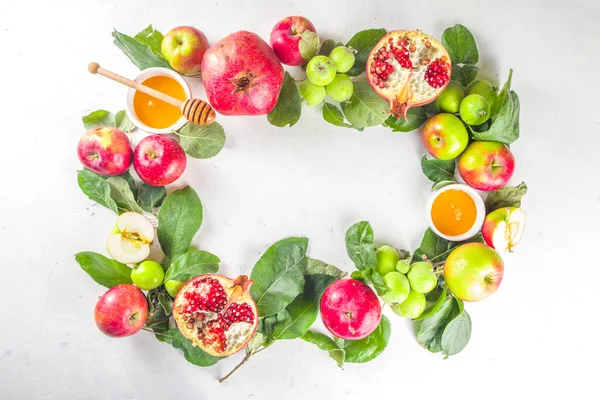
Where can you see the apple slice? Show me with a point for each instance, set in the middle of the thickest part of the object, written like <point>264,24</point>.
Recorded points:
<point>503,228</point>
<point>130,241</point>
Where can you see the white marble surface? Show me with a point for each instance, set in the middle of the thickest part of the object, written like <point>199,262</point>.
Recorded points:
<point>535,338</point>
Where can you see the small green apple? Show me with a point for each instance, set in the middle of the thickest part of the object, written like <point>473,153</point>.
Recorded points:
<point>320,70</point>
<point>311,93</point>
<point>485,89</point>
<point>412,307</point>
<point>147,275</point>
<point>387,258</point>
<point>421,277</point>
<point>449,100</point>
<point>402,266</point>
<point>343,58</point>
<point>398,285</point>
<point>173,287</point>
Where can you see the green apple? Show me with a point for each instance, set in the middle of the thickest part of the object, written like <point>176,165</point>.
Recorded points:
<point>449,100</point>
<point>147,275</point>
<point>173,287</point>
<point>343,58</point>
<point>398,285</point>
<point>412,307</point>
<point>485,89</point>
<point>444,136</point>
<point>402,266</point>
<point>387,258</point>
<point>473,271</point>
<point>320,70</point>
<point>311,93</point>
<point>474,109</point>
<point>421,277</point>
<point>341,88</point>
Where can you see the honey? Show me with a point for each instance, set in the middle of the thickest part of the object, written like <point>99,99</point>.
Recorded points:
<point>453,212</point>
<point>156,113</point>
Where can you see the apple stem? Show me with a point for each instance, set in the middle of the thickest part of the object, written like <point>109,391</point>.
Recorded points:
<point>236,368</point>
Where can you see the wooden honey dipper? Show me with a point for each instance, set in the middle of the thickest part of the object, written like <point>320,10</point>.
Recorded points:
<point>194,110</point>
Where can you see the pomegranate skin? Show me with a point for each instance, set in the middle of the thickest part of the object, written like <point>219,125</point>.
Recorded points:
<point>350,309</point>
<point>242,75</point>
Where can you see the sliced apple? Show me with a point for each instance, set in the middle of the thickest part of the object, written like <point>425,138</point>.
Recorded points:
<point>503,228</point>
<point>130,241</point>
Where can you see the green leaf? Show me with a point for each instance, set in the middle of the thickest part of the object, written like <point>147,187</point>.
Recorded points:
<point>416,118</point>
<point>150,37</point>
<point>464,74</point>
<point>334,116</point>
<point>508,196</point>
<point>122,194</point>
<point>441,184</point>
<point>192,353</point>
<point>179,219</point>
<point>438,170</point>
<point>96,188</point>
<point>505,126</point>
<point>371,277</point>
<point>105,271</point>
<point>98,118</point>
<point>308,45</point>
<point>329,45</point>
<point>166,303</point>
<point>278,275</point>
<point>192,264</point>
<point>428,328</point>
<point>157,320</point>
<point>301,313</point>
<point>436,249</point>
<point>363,42</point>
<point>435,307</point>
<point>202,141</point>
<point>460,44</point>
<point>141,54</point>
<point>365,107</point>
<point>456,335</point>
<point>288,108</point>
<point>326,343</point>
<point>363,350</point>
<point>131,182</point>
<point>359,245</point>
<point>150,197</point>
<point>123,122</point>
<point>501,96</point>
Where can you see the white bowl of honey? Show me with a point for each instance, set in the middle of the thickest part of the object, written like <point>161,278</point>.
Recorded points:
<point>153,115</point>
<point>455,212</point>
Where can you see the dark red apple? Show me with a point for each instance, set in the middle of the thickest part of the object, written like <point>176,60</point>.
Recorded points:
<point>286,35</point>
<point>159,160</point>
<point>350,309</point>
<point>122,311</point>
<point>105,151</point>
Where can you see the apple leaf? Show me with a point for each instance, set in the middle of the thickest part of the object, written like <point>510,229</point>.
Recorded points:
<point>359,245</point>
<point>179,218</point>
<point>149,197</point>
<point>278,275</point>
<point>98,118</point>
<point>308,45</point>
<point>193,354</point>
<point>456,334</point>
<point>460,44</point>
<point>96,188</point>
<point>192,264</point>
<point>105,271</point>
<point>429,330</point>
<point>329,45</point>
<point>326,343</point>
<point>438,170</point>
<point>288,108</point>
<point>334,116</point>
<point>505,126</point>
<point>434,248</point>
<point>464,74</point>
<point>365,108</point>
<point>435,307</point>
<point>441,184</point>
<point>202,141</point>
<point>123,122</point>
<point>150,37</point>
<point>416,118</point>
<point>363,350</point>
<point>370,276</point>
<point>501,96</point>
<point>141,54</point>
<point>363,42</point>
<point>122,195</point>
<point>508,196</point>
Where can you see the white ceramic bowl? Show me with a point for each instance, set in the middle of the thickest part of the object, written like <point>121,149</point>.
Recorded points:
<point>145,74</point>
<point>479,209</point>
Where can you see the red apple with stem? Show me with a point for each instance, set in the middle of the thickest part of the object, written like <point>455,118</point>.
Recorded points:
<point>350,309</point>
<point>105,151</point>
<point>473,271</point>
<point>285,37</point>
<point>444,136</point>
<point>159,160</point>
<point>503,228</point>
<point>183,47</point>
<point>486,165</point>
<point>122,311</point>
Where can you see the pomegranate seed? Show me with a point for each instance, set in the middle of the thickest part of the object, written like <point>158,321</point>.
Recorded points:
<point>239,312</point>
<point>437,73</point>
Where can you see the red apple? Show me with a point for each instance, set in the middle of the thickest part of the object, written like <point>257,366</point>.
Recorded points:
<point>183,47</point>
<point>503,228</point>
<point>444,136</point>
<point>473,271</point>
<point>122,311</point>
<point>350,309</point>
<point>486,165</point>
<point>159,160</point>
<point>105,151</point>
<point>286,35</point>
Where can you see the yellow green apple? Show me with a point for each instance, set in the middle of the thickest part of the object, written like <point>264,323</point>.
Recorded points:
<point>444,136</point>
<point>486,165</point>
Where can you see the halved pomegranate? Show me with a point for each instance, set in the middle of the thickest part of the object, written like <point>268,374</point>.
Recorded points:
<point>408,68</point>
<point>216,313</point>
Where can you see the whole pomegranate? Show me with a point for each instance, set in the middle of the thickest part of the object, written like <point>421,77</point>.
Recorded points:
<point>350,309</point>
<point>242,75</point>
<point>408,68</point>
<point>216,313</point>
